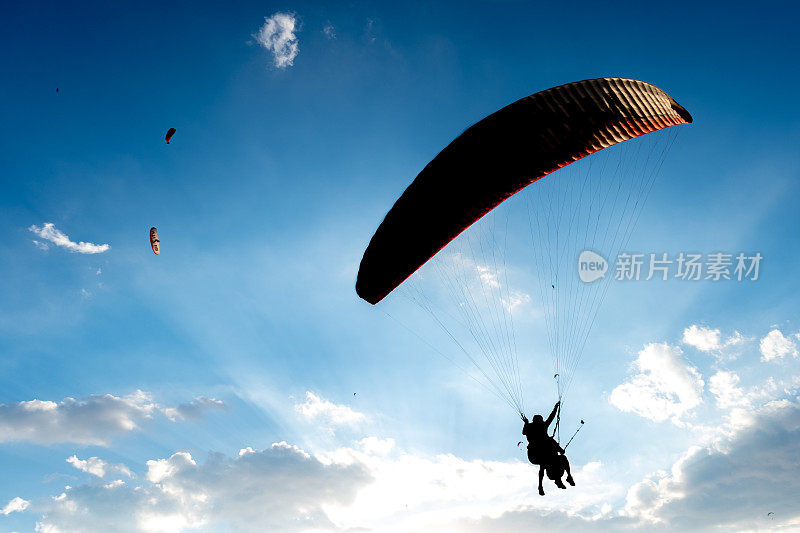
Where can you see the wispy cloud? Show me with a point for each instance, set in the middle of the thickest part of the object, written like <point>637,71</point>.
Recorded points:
<point>277,36</point>
<point>193,410</point>
<point>329,31</point>
<point>50,233</point>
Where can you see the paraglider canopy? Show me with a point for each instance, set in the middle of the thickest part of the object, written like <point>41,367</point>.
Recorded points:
<point>154,242</point>
<point>170,133</point>
<point>499,156</point>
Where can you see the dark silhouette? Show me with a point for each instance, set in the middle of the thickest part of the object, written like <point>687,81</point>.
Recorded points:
<point>500,155</point>
<point>543,450</point>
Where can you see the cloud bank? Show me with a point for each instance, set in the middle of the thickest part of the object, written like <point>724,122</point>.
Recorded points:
<point>729,480</point>
<point>282,488</point>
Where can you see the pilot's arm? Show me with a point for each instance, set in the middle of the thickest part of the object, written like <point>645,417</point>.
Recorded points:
<point>552,414</point>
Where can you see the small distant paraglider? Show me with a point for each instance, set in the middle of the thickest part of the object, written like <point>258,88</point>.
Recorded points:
<point>56,89</point>
<point>154,242</point>
<point>771,515</point>
<point>170,133</point>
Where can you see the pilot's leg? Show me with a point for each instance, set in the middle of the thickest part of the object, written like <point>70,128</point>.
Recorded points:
<point>566,469</point>
<point>541,477</point>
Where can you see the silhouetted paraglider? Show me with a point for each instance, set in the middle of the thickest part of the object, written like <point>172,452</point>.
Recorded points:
<point>170,133</point>
<point>492,161</point>
<point>154,242</point>
<point>56,89</point>
<point>771,517</point>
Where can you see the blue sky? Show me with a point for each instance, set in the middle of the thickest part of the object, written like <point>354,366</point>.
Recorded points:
<point>246,331</point>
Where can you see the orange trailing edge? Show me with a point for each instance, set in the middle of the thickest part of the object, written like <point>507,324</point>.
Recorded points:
<point>500,155</point>
<point>154,242</point>
<point>170,133</point>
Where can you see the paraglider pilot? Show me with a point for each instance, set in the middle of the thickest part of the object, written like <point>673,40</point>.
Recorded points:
<point>543,450</point>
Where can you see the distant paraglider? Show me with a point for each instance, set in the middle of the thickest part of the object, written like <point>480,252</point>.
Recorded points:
<point>170,133</point>
<point>154,242</point>
<point>56,89</point>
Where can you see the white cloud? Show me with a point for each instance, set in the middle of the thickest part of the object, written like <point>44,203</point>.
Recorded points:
<point>15,505</point>
<point>50,233</point>
<point>93,420</point>
<point>709,340</point>
<point>97,467</point>
<point>316,408</point>
<point>775,345</point>
<point>724,385</point>
<point>703,338</point>
<point>736,339</point>
<point>329,31</point>
<point>376,446</point>
<point>277,36</point>
<point>665,387</point>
